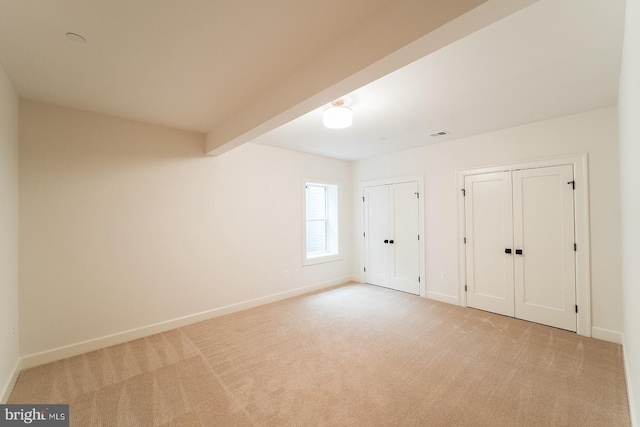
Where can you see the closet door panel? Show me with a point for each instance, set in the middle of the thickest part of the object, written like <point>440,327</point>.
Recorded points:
<point>405,250</point>
<point>490,282</point>
<point>376,225</point>
<point>544,231</point>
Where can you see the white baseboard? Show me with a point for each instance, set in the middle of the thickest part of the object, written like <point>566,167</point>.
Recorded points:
<point>606,335</point>
<point>40,358</point>
<point>627,372</point>
<point>5,392</point>
<point>442,297</point>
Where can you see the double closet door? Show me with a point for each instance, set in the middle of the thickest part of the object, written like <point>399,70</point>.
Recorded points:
<point>391,228</point>
<point>520,244</point>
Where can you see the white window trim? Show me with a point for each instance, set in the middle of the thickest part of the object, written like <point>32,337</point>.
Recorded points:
<point>331,255</point>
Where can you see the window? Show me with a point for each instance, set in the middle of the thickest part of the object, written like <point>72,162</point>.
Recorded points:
<point>321,222</point>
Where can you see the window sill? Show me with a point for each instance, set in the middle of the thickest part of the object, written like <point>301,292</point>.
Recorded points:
<point>320,259</point>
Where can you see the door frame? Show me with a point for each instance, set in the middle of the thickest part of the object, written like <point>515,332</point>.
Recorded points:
<point>419,178</point>
<point>580,163</point>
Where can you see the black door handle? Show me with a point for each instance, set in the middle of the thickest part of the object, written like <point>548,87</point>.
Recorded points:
<point>391,241</point>
<point>507,251</point>
<point>518,251</point>
<point>386,241</point>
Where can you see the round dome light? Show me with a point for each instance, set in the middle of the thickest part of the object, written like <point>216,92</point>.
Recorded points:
<point>337,116</point>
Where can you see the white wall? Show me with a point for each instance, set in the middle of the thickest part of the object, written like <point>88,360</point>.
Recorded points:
<point>124,225</point>
<point>593,132</point>
<point>629,105</point>
<point>8,232</point>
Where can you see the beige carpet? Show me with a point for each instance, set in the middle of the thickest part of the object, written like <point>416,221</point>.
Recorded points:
<point>355,355</point>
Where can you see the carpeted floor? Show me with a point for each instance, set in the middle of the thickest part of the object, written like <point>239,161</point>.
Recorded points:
<point>355,355</point>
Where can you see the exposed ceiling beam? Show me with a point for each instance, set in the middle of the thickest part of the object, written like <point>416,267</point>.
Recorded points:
<point>400,34</point>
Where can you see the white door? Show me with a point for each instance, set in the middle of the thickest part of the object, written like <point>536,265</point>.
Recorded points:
<point>545,290</point>
<point>391,245</point>
<point>404,243</point>
<point>520,244</point>
<point>488,215</point>
<point>376,226</point>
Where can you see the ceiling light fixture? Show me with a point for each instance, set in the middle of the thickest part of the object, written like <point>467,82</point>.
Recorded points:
<point>337,116</point>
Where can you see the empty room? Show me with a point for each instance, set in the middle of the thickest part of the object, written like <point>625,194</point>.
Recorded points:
<point>373,212</point>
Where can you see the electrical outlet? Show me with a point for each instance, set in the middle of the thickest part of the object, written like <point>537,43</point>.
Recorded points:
<point>286,273</point>
<point>443,275</point>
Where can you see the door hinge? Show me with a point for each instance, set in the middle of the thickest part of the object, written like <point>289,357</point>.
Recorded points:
<point>417,195</point>
<point>364,234</point>
<point>575,247</point>
<point>465,240</point>
<point>464,192</point>
<point>418,279</point>
<point>418,237</point>
<point>465,288</point>
<point>573,184</point>
<point>365,269</point>
<point>362,199</point>
<point>576,308</point>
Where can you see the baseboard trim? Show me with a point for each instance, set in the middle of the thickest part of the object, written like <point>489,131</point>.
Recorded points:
<point>47,356</point>
<point>627,373</point>
<point>606,335</point>
<point>442,297</point>
<point>8,387</point>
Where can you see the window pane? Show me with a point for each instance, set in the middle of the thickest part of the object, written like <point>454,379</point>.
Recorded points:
<point>316,236</point>
<point>316,202</point>
<point>321,225</point>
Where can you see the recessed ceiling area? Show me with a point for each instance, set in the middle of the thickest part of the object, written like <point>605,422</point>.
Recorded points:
<point>550,59</point>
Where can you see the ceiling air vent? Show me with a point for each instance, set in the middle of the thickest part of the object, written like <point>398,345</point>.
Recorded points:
<point>441,133</point>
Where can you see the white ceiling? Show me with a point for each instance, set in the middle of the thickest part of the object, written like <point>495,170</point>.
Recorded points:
<point>186,64</point>
<point>550,59</point>
<point>203,65</point>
